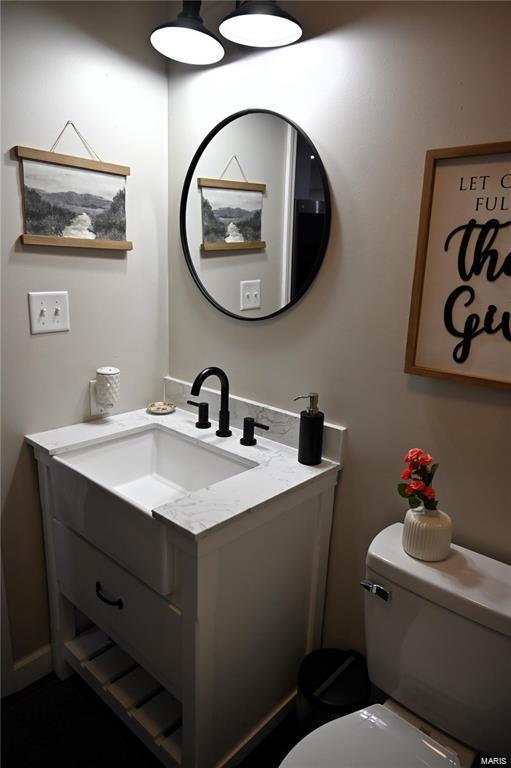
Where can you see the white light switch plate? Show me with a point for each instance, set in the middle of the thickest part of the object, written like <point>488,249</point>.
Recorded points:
<point>49,312</point>
<point>250,294</point>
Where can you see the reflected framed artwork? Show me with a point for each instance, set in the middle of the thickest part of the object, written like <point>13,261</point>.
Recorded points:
<point>72,201</point>
<point>231,215</point>
<point>460,314</point>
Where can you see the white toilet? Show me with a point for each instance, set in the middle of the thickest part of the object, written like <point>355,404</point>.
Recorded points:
<point>440,645</point>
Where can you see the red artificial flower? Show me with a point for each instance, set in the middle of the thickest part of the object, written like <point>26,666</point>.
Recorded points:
<point>417,486</point>
<point>413,454</point>
<point>417,476</point>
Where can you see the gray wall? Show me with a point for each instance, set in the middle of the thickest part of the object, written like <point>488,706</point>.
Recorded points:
<point>91,63</point>
<point>375,86</point>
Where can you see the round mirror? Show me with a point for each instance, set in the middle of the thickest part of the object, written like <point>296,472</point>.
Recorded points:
<point>255,214</point>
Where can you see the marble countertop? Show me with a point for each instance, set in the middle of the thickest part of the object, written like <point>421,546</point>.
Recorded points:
<point>198,513</point>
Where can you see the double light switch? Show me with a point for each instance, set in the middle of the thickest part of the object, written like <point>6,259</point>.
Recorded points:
<point>49,312</point>
<point>250,294</point>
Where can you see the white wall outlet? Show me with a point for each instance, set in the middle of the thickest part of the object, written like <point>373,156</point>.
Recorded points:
<point>250,294</point>
<point>49,312</point>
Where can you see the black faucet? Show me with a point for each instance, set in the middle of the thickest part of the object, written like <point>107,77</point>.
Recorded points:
<point>223,416</point>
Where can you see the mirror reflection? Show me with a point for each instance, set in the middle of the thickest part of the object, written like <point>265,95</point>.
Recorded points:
<point>255,215</point>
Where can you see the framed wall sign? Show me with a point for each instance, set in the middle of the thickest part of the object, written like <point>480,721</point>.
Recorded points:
<point>72,201</point>
<point>459,326</point>
<point>231,215</point>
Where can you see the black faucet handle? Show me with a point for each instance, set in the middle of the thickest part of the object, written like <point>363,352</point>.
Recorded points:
<point>203,422</point>
<point>249,425</point>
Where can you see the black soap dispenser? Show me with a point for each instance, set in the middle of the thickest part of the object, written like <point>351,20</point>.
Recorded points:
<point>310,441</point>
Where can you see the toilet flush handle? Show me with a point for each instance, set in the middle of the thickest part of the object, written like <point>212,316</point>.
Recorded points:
<point>376,589</point>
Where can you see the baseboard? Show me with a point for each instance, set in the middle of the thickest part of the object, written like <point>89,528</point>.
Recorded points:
<point>32,667</point>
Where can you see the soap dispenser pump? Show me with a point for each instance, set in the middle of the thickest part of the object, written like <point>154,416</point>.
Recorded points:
<point>310,441</point>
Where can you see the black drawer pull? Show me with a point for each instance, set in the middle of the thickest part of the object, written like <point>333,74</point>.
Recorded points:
<point>104,599</point>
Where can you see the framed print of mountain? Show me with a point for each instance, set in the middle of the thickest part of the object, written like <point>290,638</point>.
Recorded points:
<point>72,201</point>
<point>231,215</point>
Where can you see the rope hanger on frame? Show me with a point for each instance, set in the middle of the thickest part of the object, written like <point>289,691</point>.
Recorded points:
<point>234,157</point>
<point>94,155</point>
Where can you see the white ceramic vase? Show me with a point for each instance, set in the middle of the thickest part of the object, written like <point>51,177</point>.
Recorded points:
<point>427,534</point>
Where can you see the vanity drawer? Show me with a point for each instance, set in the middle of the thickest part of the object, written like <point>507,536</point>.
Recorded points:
<point>146,625</point>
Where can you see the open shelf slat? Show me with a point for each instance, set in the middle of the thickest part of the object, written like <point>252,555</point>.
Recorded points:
<point>134,688</point>
<point>109,665</point>
<point>140,701</point>
<point>172,744</point>
<point>159,714</point>
<point>89,644</point>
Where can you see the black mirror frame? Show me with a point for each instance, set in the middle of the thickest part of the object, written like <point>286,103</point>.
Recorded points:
<point>184,199</point>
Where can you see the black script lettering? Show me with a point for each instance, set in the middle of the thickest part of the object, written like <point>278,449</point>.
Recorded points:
<point>505,181</point>
<point>504,325</point>
<point>462,350</point>
<point>472,327</point>
<point>483,252</point>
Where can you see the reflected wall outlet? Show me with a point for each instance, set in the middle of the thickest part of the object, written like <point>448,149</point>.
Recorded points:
<point>250,294</point>
<point>49,312</point>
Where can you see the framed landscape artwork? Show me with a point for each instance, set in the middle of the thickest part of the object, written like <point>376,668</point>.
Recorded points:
<point>231,215</point>
<point>72,201</point>
<point>460,314</point>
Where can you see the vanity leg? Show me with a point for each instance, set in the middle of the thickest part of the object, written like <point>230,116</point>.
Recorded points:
<point>200,576</point>
<point>319,569</point>
<point>62,621</point>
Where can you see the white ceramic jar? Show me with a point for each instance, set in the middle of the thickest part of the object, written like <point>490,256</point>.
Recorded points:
<point>427,534</point>
<point>108,386</point>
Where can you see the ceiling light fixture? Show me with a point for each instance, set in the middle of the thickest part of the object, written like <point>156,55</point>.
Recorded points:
<point>187,39</point>
<point>260,24</point>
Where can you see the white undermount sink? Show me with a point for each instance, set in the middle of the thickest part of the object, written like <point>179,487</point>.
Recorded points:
<point>107,490</point>
<point>154,466</point>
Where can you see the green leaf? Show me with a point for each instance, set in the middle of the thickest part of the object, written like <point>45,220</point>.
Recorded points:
<point>414,502</point>
<point>401,490</point>
<point>432,472</point>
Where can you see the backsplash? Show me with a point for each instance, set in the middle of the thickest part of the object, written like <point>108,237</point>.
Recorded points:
<point>284,425</point>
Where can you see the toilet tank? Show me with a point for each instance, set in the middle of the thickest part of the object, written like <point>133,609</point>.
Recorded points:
<point>441,643</point>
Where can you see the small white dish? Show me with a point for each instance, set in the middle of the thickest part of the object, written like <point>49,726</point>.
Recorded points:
<point>161,408</point>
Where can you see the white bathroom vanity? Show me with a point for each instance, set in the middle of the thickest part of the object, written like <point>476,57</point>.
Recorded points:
<point>186,576</point>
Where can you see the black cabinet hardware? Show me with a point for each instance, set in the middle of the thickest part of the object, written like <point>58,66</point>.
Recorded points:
<point>115,603</point>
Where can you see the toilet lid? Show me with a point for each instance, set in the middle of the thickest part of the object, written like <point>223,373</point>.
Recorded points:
<point>373,737</point>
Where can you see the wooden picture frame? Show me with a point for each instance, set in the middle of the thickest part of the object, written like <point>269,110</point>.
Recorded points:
<point>459,322</point>
<point>253,189</point>
<point>57,206</point>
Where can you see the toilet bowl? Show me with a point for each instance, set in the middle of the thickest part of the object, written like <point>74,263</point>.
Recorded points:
<point>438,639</point>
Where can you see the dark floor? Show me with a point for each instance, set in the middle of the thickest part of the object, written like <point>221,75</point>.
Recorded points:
<point>65,725</point>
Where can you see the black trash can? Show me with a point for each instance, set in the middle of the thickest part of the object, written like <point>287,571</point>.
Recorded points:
<point>331,683</point>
